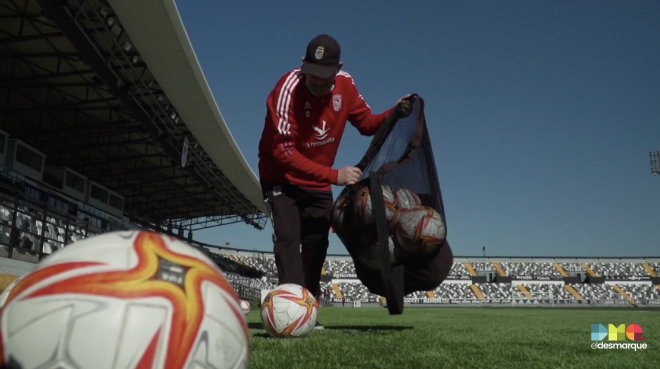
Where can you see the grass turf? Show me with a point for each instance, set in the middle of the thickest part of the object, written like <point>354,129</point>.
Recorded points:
<point>483,338</point>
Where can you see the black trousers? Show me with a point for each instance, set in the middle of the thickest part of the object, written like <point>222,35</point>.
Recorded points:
<point>299,217</point>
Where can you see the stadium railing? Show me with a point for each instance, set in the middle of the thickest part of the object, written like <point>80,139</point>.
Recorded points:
<point>513,302</point>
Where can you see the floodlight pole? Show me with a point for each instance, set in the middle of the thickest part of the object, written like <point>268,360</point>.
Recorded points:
<point>655,162</point>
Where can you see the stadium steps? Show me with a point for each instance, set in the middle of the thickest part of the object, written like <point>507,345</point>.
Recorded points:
<point>499,270</point>
<point>524,290</point>
<point>477,292</point>
<point>573,292</point>
<point>561,270</point>
<point>588,270</point>
<point>430,294</point>
<point>233,258</point>
<point>323,272</point>
<point>470,269</point>
<point>624,294</point>
<point>338,294</point>
<point>649,270</point>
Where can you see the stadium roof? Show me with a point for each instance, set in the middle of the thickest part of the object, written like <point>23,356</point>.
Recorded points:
<point>112,90</point>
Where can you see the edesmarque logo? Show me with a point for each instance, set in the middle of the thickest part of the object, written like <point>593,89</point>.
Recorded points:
<point>614,333</point>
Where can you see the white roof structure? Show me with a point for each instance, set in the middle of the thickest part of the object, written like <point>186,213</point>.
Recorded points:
<point>156,29</point>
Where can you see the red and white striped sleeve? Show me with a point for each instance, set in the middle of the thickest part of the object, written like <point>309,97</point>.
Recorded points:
<point>282,116</point>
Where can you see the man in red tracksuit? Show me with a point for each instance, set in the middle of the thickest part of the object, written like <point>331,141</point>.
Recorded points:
<point>306,116</point>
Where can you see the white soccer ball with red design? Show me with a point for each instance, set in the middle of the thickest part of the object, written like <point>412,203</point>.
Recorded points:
<point>364,208</point>
<point>289,311</point>
<point>406,199</point>
<point>127,300</point>
<point>420,231</point>
<point>246,307</point>
<point>5,293</point>
<point>338,213</point>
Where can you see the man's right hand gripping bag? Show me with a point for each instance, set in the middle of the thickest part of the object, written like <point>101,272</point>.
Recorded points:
<point>394,218</point>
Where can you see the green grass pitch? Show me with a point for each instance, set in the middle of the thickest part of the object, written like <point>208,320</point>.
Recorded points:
<point>480,338</point>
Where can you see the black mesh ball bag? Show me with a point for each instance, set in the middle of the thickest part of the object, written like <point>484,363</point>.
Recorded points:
<point>395,215</point>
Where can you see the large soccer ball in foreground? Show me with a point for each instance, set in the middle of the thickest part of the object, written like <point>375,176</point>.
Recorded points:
<point>5,293</point>
<point>420,231</point>
<point>124,300</point>
<point>289,311</point>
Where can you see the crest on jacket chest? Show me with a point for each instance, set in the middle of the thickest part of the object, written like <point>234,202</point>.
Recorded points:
<point>336,102</point>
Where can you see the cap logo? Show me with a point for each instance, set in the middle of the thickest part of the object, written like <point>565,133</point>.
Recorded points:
<point>319,52</point>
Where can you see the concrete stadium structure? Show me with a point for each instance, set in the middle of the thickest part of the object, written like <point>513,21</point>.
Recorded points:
<point>108,123</point>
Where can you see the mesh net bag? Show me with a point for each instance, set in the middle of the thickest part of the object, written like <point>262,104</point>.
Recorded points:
<point>401,158</point>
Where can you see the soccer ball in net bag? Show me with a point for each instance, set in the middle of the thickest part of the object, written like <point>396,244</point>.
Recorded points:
<point>371,256</point>
<point>337,216</point>
<point>289,311</point>
<point>420,231</point>
<point>364,209</point>
<point>406,199</point>
<point>135,299</point>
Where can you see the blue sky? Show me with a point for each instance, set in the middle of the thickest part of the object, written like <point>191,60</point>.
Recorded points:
<point>541,113</point>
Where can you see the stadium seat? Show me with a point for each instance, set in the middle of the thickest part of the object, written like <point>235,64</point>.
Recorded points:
<point>530,269</point>
<point>619,270</point>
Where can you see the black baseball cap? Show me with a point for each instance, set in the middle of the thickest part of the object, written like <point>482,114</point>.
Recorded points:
<point>322,57</point>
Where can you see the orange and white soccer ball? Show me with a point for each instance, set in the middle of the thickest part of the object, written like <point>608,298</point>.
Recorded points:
<point>246,307</point>
<point>5,293</point>
<point>406,199</point>
<point>420,231</point>
<point>338,213</point>
<point>364,209</point>
<point>128,300</point>
<point>289,311</point>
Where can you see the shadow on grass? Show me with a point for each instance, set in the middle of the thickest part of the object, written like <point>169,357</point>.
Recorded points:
<point>255,325</point>
<point>368,328</point>
<point>343,328</point>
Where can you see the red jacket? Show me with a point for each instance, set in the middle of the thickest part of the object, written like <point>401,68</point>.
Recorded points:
<point>302,132</point>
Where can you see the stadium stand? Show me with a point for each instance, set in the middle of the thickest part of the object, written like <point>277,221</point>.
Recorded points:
<point>108,124</point>
<point>530,269</point>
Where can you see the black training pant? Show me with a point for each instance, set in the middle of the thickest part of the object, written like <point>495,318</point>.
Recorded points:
<point>299,217</point>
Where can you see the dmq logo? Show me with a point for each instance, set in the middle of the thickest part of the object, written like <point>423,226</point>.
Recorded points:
<point>614,333</point>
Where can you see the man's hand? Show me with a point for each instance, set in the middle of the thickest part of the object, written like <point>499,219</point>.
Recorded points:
<point>348,176</point>
<point>403,107</point>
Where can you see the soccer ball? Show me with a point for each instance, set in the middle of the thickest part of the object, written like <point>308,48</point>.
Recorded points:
<point>420,231</point>
<point>406,199</point>
<point>364,208</point>
<point>245,306</point>
<point>371,256</point>
<point>134,299</point>
<point>7,291</point>
<point>289,311</point>
<point>338,214</point>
